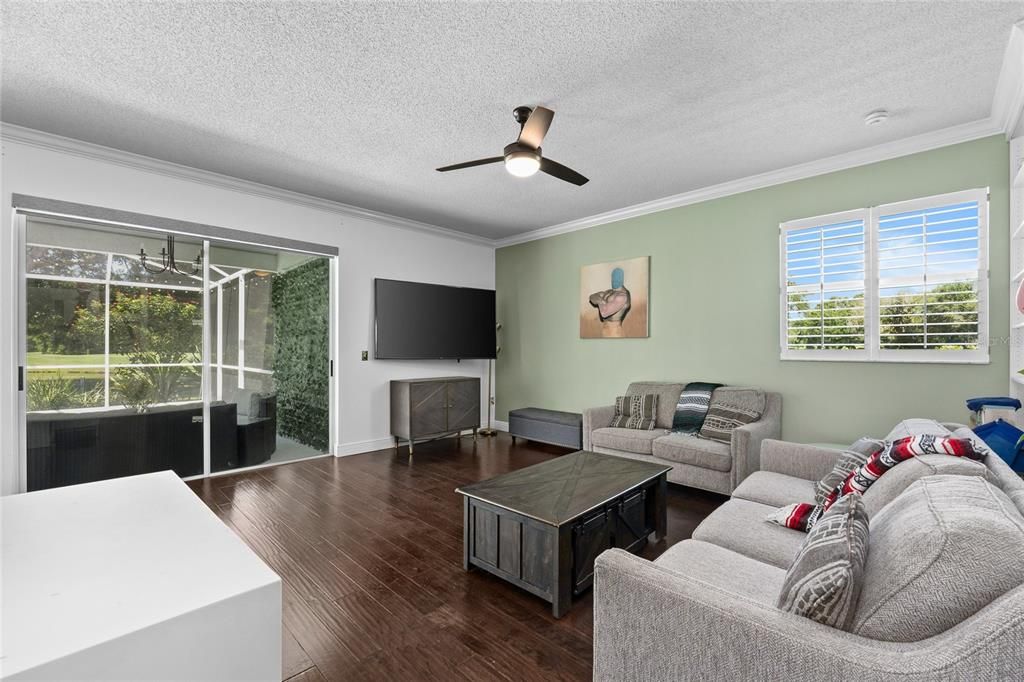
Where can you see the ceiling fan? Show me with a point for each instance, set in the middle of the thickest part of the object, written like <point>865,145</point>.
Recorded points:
<point>523,157</point>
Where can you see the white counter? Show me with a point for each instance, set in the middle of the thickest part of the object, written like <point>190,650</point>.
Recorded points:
<point>132,578</point>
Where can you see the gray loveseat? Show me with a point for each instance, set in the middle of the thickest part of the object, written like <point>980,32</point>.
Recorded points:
<point>943,595</point>
<point>697,462</point>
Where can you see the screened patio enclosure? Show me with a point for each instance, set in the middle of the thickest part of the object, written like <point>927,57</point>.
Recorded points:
<point>123,365</point>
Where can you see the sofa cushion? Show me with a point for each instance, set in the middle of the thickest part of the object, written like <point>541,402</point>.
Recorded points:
<point>668,396</point>
<point>1018,499</point>
<point>628,440</point>
<point>851,458</point>
<point>776,490</point>
<point>826,577</point>
<point>262,405</point>
<point>900,477</point>
<point>739,525</point>
<point>730,408</point>
<point>635,411</point>
<point>940,552</point>
<point>690,449</point>
<point>1002,475</point>
<point>917,427</point>
<point>725,569</point>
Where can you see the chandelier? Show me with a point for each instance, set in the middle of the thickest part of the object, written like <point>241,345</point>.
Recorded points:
<point>167,261</point>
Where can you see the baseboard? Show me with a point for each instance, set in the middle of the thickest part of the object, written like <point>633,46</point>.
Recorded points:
<point>361,446</point>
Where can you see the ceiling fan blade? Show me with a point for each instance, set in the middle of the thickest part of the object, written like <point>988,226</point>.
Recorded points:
<point>470,164</point>
<point>536,127</point>
<point>562,172</point>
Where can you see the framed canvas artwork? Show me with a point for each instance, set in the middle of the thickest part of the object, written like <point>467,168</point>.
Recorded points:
<point>614,299</point>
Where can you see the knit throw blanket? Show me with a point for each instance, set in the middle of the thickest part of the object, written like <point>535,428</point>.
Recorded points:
<point>803,515</point>
<point>693,406</point>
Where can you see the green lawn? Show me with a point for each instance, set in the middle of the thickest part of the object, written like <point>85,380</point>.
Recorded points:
<point>36,362</point>
<point>38,359</point>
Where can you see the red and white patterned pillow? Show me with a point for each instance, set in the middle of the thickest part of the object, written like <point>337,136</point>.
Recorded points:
<point>803,515</point>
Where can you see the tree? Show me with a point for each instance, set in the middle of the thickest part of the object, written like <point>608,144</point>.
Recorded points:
<point>150,327</point>
<point>835,323</point>
<point>51,311</point>
<point>946,317</point>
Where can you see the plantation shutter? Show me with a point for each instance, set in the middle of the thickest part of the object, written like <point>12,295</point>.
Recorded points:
<point>823,283</point>
<point>932,276</point>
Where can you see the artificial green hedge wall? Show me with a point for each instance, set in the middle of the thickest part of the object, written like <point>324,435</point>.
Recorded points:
<point>300,299</point>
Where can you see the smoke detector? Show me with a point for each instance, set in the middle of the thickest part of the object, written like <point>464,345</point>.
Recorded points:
<point>876,117</point>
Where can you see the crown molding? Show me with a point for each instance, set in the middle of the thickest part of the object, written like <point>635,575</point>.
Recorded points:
<point>1007,107</point>
<point>1008,102</point>
<point>43,140</point>
<point>861,157</point>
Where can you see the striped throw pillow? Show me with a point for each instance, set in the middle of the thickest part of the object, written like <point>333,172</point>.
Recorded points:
<point>636,412</point>
<point>731,408</point>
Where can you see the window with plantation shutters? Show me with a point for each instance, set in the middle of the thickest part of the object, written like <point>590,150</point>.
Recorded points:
<point>825,266</point>
<point>903,282</point>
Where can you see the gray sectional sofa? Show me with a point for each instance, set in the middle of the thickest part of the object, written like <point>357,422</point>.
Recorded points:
<point>696,462</point>
<point>942,597</point>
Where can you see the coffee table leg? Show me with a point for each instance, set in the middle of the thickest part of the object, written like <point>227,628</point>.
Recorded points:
<point>562,566</point>
<point>661,508</point>
<point>467,532</point>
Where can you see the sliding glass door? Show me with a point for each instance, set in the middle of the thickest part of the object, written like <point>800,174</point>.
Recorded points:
<point>270,322</point>
<point>145,350</point>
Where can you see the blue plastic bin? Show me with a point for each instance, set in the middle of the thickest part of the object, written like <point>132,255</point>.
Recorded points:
<point>1004,439</point>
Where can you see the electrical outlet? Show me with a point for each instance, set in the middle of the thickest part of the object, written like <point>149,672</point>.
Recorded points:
<point>366,355</point>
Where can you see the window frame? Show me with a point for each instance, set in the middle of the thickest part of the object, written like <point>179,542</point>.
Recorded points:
<point>872,351</point>
<point>109,283</point>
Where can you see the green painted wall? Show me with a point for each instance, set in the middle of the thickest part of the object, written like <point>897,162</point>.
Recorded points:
<point>715,304</point>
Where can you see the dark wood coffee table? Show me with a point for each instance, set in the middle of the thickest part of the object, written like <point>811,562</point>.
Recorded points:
<point>542,527</point>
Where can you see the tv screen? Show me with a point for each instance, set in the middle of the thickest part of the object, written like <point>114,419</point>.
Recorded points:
<point>432,322</point>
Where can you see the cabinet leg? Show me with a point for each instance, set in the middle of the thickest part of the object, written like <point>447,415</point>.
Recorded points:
<point>474,433</point>
<point>410,448</point>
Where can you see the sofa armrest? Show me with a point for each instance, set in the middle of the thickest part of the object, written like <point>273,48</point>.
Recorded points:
<point>651,623</point>
<point>747,439</point>
<point>809,462</point>
<point>596,418</point>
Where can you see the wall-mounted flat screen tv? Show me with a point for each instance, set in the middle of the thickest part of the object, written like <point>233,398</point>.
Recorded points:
<point>432,322</point>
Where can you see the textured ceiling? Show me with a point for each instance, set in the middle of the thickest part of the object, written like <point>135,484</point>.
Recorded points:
<point>359,102</point>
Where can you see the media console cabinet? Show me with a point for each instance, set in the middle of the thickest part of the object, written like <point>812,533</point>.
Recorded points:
<point>423,409</point>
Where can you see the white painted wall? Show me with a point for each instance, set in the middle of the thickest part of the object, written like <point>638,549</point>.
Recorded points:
<point>370,246</point>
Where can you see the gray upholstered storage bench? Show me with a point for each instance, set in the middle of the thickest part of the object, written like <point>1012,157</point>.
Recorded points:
<point>547,426</point>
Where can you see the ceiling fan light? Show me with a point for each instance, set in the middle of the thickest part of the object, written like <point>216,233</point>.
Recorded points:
<point>522,164</point>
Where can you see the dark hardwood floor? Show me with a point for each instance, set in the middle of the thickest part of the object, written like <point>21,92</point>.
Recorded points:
<point>370,551</point>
